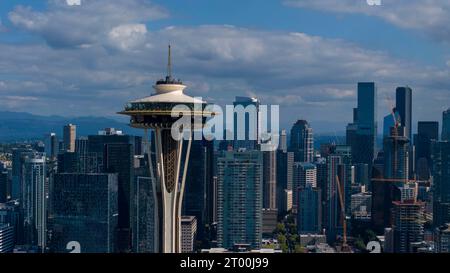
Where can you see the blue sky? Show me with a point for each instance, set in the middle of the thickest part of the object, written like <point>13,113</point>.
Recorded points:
<point>306,55</point>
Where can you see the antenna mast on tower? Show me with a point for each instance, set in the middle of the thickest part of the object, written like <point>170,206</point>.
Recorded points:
<point>169,63</point>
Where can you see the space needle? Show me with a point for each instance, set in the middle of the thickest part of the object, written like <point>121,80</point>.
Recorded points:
<point>155,112</point>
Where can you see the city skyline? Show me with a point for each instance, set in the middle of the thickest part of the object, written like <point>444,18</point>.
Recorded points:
<point>119,58</point>
<point>307,134</point>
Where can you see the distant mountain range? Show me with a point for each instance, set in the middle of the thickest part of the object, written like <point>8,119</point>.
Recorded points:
<point>20,126</point>
<point>15,126</point>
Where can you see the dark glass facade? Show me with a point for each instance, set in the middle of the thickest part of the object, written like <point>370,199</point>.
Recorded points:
<point>85,210</point>
<point>427,131</point>
<point>404,108</point>
<point>441,182</point>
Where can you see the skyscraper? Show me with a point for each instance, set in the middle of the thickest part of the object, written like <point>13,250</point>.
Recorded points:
<point>404,108</point>
<point>396,154</point>
<point>6,238</point>
<point>364,142</point>
<point>3,187</point>
<point>339,166</point>
<point>111,151</point>
<point>84,210</point>
<point>346,173</point>
<point>270,180</point>
<point>322,183</point>
<point>441,182</point>
<point>119,159</point>
<point>240,199</point>
<point>34,201</point>
<point>246,127</point>
<point>188,233</point>
<point>446,125</point>
<point>361,205</point>
<point>309,210</point>
<point>51,145</point>
<point>285,163</point>
<point>155,112</point>
<point>69,136</point>
<point>386,182</point>
<point>18,159</point>
<point>391,120</point>
<point>362,175</point>
<point>304,175</point>
<point>302,142</point>
<point>198,181</point>
<point>145,237</point>
<point>283,141</point>
<point>427,131</point>
<point>407,225</point>
<point>442,239</point>
<point>332,204</point>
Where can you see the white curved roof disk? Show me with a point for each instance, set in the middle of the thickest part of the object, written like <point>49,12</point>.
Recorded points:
<point>169,93</point>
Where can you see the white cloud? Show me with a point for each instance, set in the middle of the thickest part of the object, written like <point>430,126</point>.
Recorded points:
<point>428,16</point>
<point>128,36</point>
<point>116,59</point>
<point>64,26</point>
<point>73,2</point>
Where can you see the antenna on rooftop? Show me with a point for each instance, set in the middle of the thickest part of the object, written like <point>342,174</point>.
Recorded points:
<point>169,63</point>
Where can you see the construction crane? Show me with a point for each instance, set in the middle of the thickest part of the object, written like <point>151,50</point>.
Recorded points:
<point>345,247</point>
<point>394,134</point>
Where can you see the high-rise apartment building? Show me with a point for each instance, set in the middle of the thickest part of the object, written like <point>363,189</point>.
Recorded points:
<point>240,199</point>
<point>34,201</point>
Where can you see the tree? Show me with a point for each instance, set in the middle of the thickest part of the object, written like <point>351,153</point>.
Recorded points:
<point>360,245</point>
<point>283,243</point>
<point>281,229</point>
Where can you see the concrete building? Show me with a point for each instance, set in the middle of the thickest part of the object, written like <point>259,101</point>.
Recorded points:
<point>6,238</point>
<point>188,233</point>
<point>361,205</point>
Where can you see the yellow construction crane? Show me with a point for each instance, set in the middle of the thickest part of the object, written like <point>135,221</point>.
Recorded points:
<point>345,247</point>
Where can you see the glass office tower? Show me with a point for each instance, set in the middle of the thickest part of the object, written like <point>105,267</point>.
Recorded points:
<point>85,210</point>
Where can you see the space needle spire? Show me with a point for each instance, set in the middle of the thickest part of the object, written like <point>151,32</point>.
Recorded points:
<point>155,113</point>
